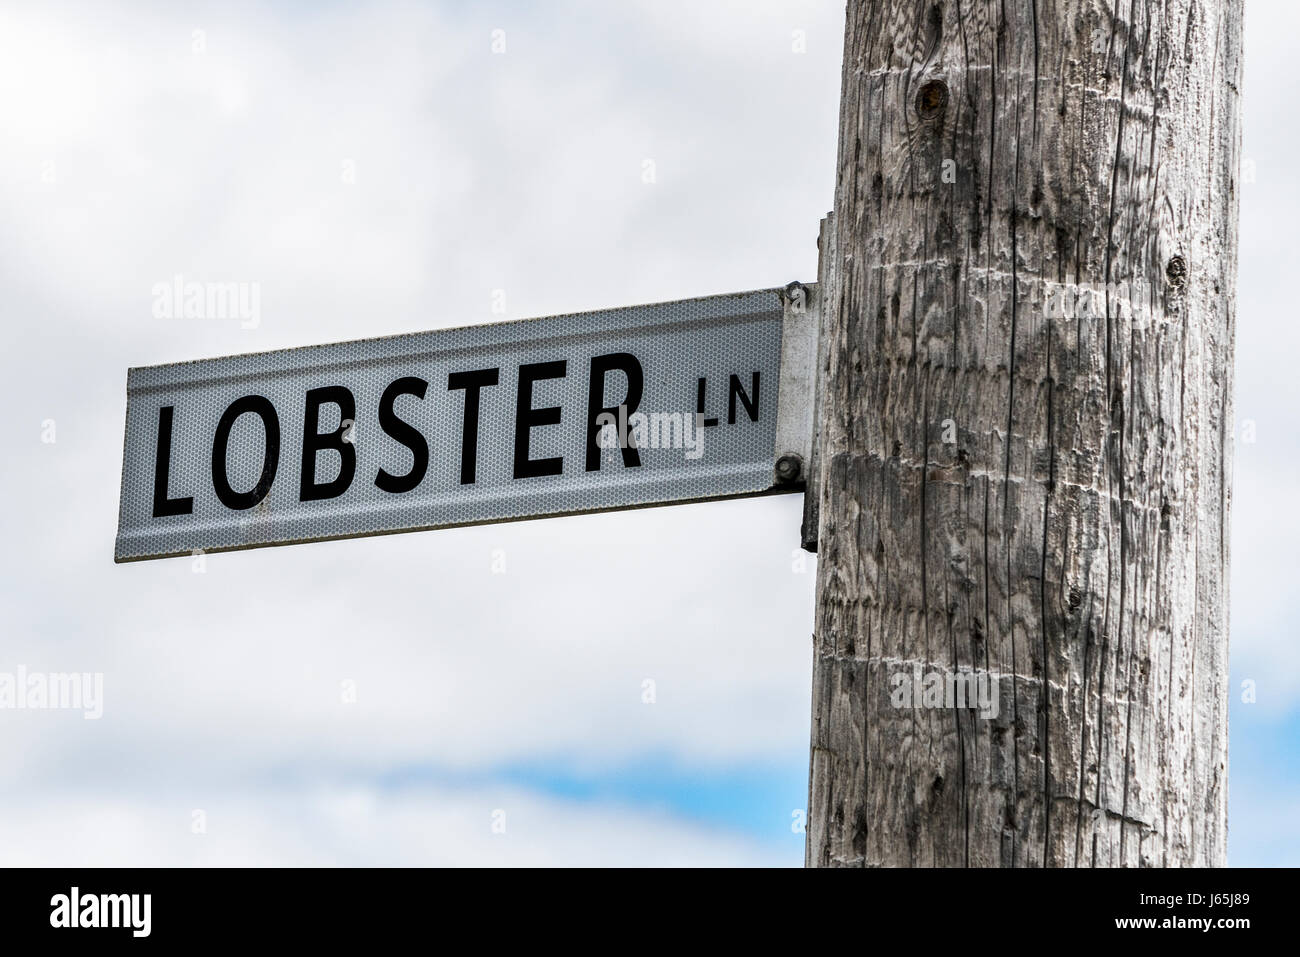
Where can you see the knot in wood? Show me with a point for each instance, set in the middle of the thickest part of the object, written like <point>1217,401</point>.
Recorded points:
<point>932,100</point>
<point>1176,271</point>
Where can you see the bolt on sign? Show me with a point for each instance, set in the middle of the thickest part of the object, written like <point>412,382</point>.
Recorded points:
<point>621,408</point>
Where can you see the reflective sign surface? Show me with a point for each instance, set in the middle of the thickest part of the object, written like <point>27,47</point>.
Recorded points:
<point>613,409</point>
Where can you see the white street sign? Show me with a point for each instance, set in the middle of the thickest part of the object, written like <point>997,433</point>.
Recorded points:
<point>621,408</point>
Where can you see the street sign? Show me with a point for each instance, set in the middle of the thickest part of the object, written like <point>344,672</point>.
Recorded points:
<point>621,408</point>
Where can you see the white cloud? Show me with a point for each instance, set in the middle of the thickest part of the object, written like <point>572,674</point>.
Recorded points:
<point>358,827</point>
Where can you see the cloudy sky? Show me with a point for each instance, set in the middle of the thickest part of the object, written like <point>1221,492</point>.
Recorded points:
<point>475,695</point>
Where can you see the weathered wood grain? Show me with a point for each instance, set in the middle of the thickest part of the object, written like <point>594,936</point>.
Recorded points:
<point>1024,443</point>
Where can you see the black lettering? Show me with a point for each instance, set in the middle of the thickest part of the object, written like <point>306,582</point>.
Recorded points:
<point>162,505</point>
<point>405,433</point>
<point>261,407</point>
<point>527,418</point>
<point>750,404</point>
<point>626,363</point>
<point>312,442</point>
<point>699,404</point>
<point>471,382</point>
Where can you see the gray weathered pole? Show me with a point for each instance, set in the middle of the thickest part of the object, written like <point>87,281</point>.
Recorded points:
<point>1024,441</point>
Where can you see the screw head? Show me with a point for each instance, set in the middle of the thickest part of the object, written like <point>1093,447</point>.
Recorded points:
<point>788,468</point>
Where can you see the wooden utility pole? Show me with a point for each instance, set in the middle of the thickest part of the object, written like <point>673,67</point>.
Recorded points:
<point>1024,440</point>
